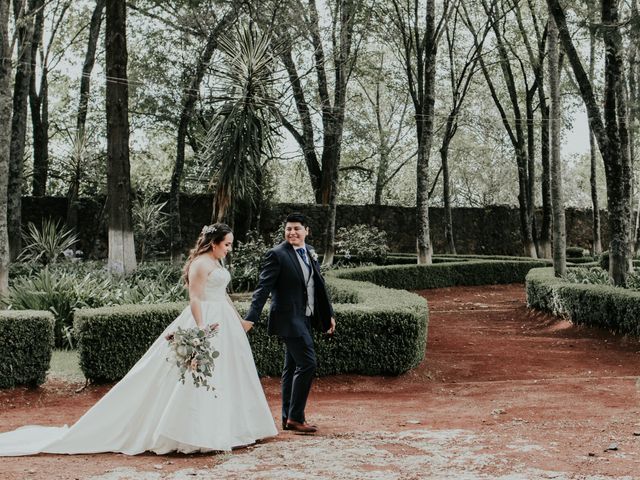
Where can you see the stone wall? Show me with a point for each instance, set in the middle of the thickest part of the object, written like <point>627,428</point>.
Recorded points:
<point>491,230</point>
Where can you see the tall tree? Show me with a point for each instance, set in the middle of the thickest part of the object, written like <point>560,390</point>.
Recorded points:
<point>612,133</point>
<point>418,32</point>
<point>122,256</point>
<point>5,139</point>
<point>24,20</point>
<point>514,122</point>
<point>596,245</point>
<point>348,21</point>
<point>39,97</point>
<point>80,139</point>
<point>460,76</point>
<point>559,229</point>
<point>241,129</point>
<point>536,65</point>
<point>190,96</point>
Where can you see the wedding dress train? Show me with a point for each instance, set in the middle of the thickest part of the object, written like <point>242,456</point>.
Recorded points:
<point>151,410</point>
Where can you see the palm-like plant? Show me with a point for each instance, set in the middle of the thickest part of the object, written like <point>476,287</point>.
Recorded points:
<point>149,224</point>
<point>241,130</point>
<point>48,244</point>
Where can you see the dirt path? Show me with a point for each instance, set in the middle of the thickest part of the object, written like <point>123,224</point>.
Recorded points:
<point>503,393</point>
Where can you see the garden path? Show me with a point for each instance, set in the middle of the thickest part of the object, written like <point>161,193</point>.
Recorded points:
<point>504,393</point>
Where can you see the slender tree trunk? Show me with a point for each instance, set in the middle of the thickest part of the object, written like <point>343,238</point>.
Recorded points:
<point>450,128</point>
<point>24,17</point>
<point>5,139</point>
<point>619,165</point>
<point>596,244</point>
<point>545,181</point>
<point>39,120</point>
<point>122,256</point>
<point>611,135</point>
<point>87,67</point>
<point>559,229</point>
<point>83,106</point>
<point>188,104</point>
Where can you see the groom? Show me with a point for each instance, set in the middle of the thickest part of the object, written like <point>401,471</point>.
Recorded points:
<point>299,300</point>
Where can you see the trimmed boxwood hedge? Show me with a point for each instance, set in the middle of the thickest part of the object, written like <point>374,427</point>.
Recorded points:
<point>604,306</point>
<point>26,347</point>
<point>439,275</point>
<point>380,331</point>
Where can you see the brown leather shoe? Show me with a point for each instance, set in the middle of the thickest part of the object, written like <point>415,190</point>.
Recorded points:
<point>300,427</point>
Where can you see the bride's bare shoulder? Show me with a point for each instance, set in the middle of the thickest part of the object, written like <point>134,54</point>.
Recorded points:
<point>201,267</point>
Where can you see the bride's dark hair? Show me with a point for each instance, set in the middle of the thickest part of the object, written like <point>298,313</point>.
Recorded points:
<point>210,235</point>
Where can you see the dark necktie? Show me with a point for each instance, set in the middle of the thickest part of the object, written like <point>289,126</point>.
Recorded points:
<point>303,254</point>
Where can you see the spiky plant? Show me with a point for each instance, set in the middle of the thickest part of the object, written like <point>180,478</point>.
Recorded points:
<point>47,244</point>
<point>241,130</point>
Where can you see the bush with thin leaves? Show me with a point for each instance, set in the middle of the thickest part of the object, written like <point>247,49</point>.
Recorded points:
<point>149,225</point>
<point>48,244</point>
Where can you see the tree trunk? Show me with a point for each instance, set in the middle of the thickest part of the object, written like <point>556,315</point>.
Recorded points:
<point>188,104</point>
<point>545,182</point>
<point>618,164</point>
<point>596,243</point>
<point>5,139</point>
<point>559,229</point>
<point>83,105</point>
<point>19,127</point>
<point>423,234</point>
<point>39,117</point>
<point>450,128</point>
<point>122,257</point>
<point>611,135</point>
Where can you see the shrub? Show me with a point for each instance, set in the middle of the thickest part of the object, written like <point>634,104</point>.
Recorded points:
<point>603,260</point>
<point>383,333</point>
<point>447,274</point>
<point>363,243</point>
<point>48,244</point>
<point>63,288</point>
<point>149,225</point>
<point>25,350</point>
<point>576,252</point>
<point>604,306</point>
<point>246,261</point>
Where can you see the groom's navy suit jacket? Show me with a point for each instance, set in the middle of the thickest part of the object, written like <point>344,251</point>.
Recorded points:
<point>282,277</point>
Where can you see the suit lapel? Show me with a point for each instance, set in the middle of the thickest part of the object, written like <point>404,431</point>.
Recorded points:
<point>293,256</point>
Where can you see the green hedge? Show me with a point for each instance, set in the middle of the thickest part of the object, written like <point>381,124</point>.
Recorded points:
<point>26,346</point>
<point>439,275</point>
<point>615,309</point>
<point>380,331</point>
<point>603,261</point>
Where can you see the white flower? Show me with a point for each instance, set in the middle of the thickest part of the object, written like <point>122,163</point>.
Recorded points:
<point>209,229</point>
<point>314,255</point>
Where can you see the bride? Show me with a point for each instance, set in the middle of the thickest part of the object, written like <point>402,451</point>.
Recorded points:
<point>150,409</point>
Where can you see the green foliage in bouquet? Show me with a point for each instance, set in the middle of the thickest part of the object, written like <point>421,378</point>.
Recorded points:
<point>193,353</point>
<point>26,347</point>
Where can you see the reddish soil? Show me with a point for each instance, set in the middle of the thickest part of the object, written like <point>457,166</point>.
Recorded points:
<point>533,392</point>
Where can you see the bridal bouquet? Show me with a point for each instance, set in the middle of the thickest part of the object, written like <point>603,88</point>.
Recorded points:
<point>194,353</point>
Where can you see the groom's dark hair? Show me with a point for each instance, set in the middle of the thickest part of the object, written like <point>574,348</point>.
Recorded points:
<point>297,217</point>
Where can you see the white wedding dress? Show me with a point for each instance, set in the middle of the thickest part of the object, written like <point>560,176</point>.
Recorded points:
<point>151,410</point>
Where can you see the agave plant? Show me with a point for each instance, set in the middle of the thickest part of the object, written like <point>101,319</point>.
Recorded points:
<point>48,244</point>
<point>149,224</point>
<point>241,130</point>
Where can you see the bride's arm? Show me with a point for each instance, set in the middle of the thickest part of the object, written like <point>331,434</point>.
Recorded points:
<point>197,280</point>
<point>245,324</point>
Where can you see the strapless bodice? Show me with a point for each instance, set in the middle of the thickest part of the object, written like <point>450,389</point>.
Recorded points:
<point>216,286</point>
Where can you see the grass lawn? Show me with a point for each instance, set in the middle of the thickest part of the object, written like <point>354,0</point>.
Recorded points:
<point>65,366</point>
